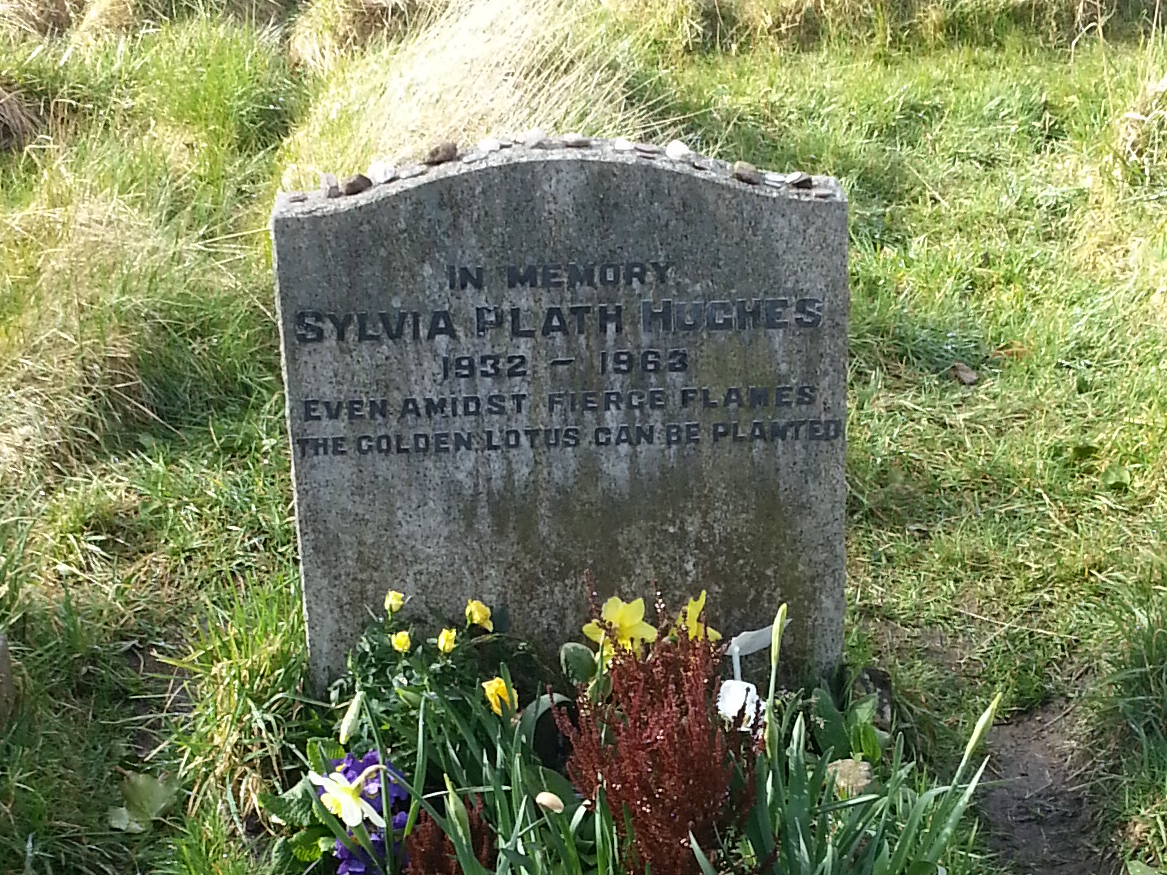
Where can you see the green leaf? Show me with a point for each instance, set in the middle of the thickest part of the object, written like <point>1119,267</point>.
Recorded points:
<point>577,661</point>
<point>293,807</point>
<point>1116,477</point>
<point>865,741</point>
<point>306,845</point>
<point>829,727</point>
<point>702,860</point>
<point>120,819</point>
<point>922,867</point>
<point>147,797</point>
<point>1134,867</point>
<point>321,752</point>
<point>282,857</point>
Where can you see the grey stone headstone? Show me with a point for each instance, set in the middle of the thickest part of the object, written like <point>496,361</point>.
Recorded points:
<point>505,373</point>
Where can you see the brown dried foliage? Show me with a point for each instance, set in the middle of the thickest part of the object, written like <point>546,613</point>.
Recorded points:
<point>19,121</point>
<point>431,852</point>
<point>659,750</point>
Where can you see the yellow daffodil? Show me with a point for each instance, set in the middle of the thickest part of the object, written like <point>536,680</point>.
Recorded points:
<point>344,799</point>
<point>394,601</point>
<point>446,640</point>
<point>496,694</point>
<point>690,618</point>
<point>478,614</point>
<point>400,641</point>
<point>626,620</point>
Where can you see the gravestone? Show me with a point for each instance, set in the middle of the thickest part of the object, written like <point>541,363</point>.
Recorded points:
<point>528,362</point>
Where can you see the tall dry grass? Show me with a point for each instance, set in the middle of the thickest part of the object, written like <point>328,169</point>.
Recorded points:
<point>326,29</point>
<point>482,67</point>
<point>688,25</point>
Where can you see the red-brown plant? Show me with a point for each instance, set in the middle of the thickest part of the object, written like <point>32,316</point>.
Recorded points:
<point>431,852</point>
<point>659,750</point>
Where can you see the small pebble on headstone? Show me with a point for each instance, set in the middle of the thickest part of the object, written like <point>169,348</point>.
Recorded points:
<point>798,179</point>
<point>355,184</point>
<point>532,138</point>
<point>490,144</point>
<point>381,172</point>
<point>621,144</point>
<point>701,163</point>
<point>410,172</point>
<point>297,197</point>
<point>746,172</point>
<point>648,150</point>
<point>777,180</point>
<point>677,150</point>
<point>576,141</point>
<point>441,153</point>
<point>329,186</point>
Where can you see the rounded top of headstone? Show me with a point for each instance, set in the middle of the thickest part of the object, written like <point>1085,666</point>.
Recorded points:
<point>501,152</point>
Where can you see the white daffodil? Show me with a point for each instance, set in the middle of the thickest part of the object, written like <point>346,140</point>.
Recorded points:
<point>344,799</point>
<point>738,702</point>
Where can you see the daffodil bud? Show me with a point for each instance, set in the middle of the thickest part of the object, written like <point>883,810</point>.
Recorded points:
<point>549,801</point>
<point>351,716</point>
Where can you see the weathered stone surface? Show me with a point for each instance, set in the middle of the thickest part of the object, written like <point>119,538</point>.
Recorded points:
<point>501,375</point>
<point>329,187</point>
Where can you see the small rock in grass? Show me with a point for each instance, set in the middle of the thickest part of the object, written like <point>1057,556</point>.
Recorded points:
<point>746,172</point>
<point>852,777</point>
<point>441,153</point>
<point>329,186</point>
<point>355,184</point>
<point>677,150</point>
<point>963,374</point>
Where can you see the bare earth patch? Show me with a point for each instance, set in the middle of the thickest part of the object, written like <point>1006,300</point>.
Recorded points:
<point>1035,805</point>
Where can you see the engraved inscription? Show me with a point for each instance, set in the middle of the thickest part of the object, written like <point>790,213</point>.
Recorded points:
<point>483,402</point>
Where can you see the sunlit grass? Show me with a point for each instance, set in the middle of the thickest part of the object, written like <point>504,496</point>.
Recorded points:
<point>1006,212</point>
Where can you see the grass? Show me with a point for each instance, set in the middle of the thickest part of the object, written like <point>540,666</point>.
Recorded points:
<point>1007,175</point>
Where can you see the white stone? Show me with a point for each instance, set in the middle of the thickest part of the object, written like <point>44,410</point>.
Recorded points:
<point>381,172</point>
<point>677,150</point>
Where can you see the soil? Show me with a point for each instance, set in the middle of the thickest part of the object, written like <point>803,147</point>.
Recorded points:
<point>1039,817</point>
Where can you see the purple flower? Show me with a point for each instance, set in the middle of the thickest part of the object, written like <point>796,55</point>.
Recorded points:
<point>357,862</point>
<point>351,767</point>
